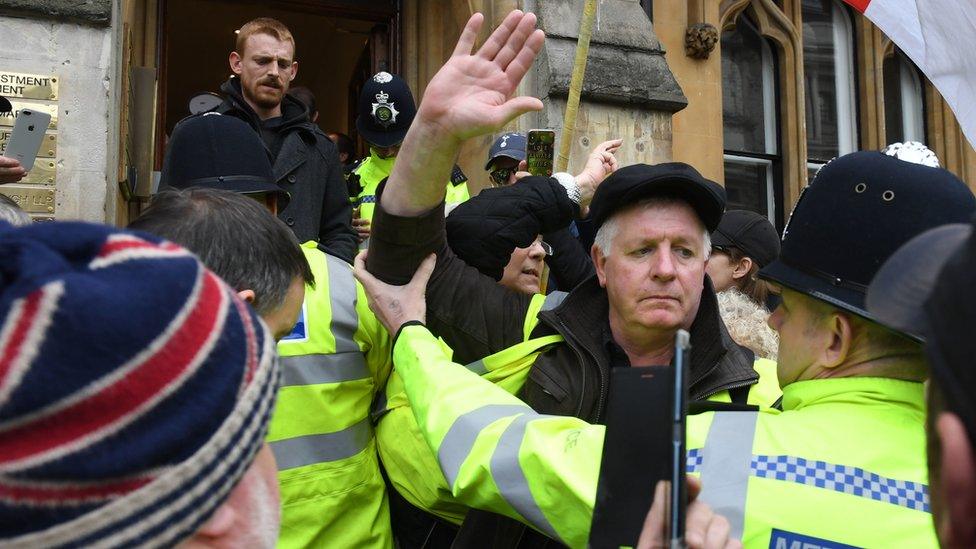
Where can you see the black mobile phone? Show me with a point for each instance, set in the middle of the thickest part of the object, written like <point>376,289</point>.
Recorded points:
<point>540,151</point>
<point>644,445</point>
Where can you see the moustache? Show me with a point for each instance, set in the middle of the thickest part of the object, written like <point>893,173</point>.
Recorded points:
<point>272,82</point>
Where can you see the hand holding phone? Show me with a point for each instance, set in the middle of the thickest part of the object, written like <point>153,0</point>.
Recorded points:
<point>540,152</point>
<point>25,140</point>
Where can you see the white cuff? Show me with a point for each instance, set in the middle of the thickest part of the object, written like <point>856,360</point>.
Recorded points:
<point>569,183</point>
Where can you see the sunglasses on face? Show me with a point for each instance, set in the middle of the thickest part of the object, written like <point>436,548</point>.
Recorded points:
<point>501,175</point>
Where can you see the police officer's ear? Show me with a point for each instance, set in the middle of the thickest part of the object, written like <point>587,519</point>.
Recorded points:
<point>958,483</point>
<point>838,330</point>
<point>247,296</point>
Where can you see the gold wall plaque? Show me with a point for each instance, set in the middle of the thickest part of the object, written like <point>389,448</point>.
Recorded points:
<point>33,200</point>
<point>28,86</point>
<point>8,119</point>
<point>42,173</point>
<point>49,146</point>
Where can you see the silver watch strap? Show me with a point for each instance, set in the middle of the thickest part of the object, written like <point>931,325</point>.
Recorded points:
<point>569,183</point>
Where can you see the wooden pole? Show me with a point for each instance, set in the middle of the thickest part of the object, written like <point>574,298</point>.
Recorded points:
<point>576,84</point>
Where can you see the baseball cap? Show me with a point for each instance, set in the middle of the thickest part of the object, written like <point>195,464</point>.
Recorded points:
<point>672,179</point>
<point>510,145</point>
<point>750,232</point>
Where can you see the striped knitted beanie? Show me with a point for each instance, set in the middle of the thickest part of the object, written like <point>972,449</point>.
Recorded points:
<point>135,388</point>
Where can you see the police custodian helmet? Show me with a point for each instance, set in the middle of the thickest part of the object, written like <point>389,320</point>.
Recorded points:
<point>859,209</point>
<point>386,109</point>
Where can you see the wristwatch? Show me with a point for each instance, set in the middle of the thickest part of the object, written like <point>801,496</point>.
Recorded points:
<point>572,187</point>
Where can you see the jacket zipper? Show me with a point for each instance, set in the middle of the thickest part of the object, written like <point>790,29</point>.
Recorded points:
<point>725,388</point>
<point>582,364</point>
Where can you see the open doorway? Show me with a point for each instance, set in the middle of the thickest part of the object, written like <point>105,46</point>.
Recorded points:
<point>339,44</point>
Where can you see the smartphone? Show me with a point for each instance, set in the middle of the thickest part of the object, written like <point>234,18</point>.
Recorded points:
<point>679,415</point>
<point>25,141</point>
<point>637,454</point>
<point>540,151</point>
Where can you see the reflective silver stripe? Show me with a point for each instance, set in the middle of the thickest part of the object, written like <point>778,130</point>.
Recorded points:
<point>311,449</point>
<point>727,465</point>
<point>315,369</point>
<point>478,367</point>
<point>553,300</point>
<point>342,297</point>
<point>510,478</point>
<point>459,440</point>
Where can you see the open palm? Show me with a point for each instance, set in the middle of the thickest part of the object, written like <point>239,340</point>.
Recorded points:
<point>472,93</point>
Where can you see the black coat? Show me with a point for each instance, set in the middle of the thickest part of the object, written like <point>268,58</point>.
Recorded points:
<point>307,167</point>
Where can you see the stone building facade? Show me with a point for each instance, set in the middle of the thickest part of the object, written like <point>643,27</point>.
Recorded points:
<point>755,93</point>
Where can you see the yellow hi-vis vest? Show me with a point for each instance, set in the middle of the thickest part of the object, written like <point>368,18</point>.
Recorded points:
<point>416,472</point>
<point>843,465</point>
<point>332,364</point>
<point>373,169</point>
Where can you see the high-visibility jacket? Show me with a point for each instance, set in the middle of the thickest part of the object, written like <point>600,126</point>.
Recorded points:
<point>332,364</point>
<point>842,465</point>
<point>495,452</point>
<point>373,170</point>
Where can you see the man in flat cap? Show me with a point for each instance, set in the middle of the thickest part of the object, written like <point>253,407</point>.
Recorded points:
<point>650,253</point>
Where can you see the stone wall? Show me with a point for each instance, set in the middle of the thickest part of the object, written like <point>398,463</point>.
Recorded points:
<point>82,56</point>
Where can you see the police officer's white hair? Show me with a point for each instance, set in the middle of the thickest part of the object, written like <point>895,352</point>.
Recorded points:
<point>11,213</point>
<point>608,231</point>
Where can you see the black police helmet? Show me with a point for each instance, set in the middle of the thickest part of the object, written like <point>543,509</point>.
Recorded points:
<point>386,109</point>
<point>219,152</point>
<point>859,209</point>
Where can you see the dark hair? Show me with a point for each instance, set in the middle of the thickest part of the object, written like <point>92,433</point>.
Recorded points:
<point>345,144</point>
<point>235,236</point>
<point>304,95</point>
<point>750,285</point>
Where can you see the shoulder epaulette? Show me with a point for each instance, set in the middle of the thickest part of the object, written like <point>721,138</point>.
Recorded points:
<point>457,176</point>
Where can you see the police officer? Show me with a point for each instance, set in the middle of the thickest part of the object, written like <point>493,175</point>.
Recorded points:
<point>386,109</point>
<point>843,464</point>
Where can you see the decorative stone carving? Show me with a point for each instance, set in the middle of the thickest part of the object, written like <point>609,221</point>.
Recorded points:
<point>700,40</point>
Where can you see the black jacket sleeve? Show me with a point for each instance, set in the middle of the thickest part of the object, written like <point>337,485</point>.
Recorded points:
<point>569,263</point>
<point>485,229</point>
<point>336,234</point>
<point>474,315</point>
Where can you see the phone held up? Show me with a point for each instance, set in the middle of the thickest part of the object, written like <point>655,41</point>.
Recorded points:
<point>25,141</point>
<point>644,446</point>
<point>540,152</point>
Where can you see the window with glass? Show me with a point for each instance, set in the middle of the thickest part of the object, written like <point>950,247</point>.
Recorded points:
<point>749,119</point>
<point>828,73</point>
<point>903,100</point>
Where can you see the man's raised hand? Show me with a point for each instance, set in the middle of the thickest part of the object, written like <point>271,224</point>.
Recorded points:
<point>472,93</point>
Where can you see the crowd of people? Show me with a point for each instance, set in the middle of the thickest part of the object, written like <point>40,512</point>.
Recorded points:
<point>293,347</point>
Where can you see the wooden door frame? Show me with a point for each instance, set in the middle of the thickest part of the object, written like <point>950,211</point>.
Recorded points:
<point>349,9</point>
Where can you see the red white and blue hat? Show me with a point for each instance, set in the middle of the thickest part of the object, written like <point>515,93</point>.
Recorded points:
<point>135,388</point>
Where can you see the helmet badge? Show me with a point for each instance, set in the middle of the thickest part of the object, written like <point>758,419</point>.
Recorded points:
<point>384,111</point>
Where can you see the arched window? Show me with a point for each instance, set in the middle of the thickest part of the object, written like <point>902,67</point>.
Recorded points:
<point>749,116</point>
<point>828,67</point>
<point>903,100</point>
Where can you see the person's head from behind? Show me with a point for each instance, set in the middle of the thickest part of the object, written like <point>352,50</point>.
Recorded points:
<point>237,238</point>
<point>504,157</point>
<point>103,425</point>
<point>386,109</point>
<point>221,152</point>
<point>307,98</point>
<point>743,243</point>
<point>859,209</point>
<point>652,243</point>
<point>345,145</point>
<point>925,291</point>
<point>11,213</point>
<point>264,60</point>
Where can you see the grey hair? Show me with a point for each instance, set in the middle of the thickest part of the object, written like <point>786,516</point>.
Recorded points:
<point>11,212</point>
<point>608,231</point>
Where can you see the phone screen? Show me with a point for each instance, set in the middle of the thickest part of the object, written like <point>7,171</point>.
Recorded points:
<point>637,454</point>
<point>540,151</point>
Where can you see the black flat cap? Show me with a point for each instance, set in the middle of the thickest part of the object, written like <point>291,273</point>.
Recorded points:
<point>219,152</point>
<point>897,294</point>
<point>626,186</point>
<point>750,232</point>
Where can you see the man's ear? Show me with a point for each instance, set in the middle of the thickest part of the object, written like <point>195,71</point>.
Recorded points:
<point>958,474</point>
<point>219,525</point>
<point>235,63</point>
<point>742,268</point>
<point>247,296</point>
<point>293,70</point>
<point>599,262</point>
<point>840,333</point>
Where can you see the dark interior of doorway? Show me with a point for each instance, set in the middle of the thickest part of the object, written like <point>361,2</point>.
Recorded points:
<point>339,45</point>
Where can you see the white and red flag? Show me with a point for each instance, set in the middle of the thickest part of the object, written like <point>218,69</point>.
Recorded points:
<point>940,37</point>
